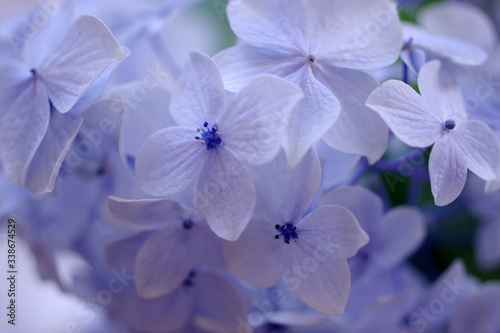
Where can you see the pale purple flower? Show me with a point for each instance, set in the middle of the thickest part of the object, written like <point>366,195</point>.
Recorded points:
<point>205,302</point>
<point>309,251</point>
<point>56,68</point>
<point>320,45</point>
<point>438,117</point>
<point>172,242</point>
<point>454,31</point>
<point>211,143</point>
<point>394,234</point>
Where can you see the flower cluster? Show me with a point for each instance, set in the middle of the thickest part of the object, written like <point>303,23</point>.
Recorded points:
<point>307,174</point>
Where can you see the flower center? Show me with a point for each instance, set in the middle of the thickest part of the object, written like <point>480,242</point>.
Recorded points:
<point>288,231</point>
<point>33,71</point>
<point>449,124</point>
<point>311,58</point>
<point>188,282</point>
<point>187,224</point>
<point>209,136</point>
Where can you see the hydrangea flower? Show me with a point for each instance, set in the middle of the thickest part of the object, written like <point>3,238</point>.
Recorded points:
<point>458,32</point>
<point>55,69</point>
<point>394,235</point>
<point>160,258</point>
<point>211,142</point>
<point>320,45</point>
<point>438,117</point>
<point>309,251</point>
<point>205,302</point>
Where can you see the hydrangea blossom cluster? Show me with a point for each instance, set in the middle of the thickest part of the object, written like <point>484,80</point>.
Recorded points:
<point>308,173</point>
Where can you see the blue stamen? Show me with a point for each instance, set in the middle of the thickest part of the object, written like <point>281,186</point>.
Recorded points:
<point>33,71</point>
<point>449,124</point>
<point>288,231</point>
<point>311,58</point>
<point>210,136</point>
<point>188,282</point>
<point>187,224</point>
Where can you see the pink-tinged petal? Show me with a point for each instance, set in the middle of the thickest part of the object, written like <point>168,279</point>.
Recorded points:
<point>257,257</point>
<point>221,307</point>
<point>460,20</point>
<point>480,148</point>
<point>456,50</point>
<point>447,170</point>
<point>313,116</point>
<point>487,245</point>
<point>46,163</point>
<point>401,232</point>
<point>322,284</point>
<point>22,128</point>
<point>226,194</point>
<point>408,115</point>
<point>439,88</point>
<point>333,231</point>
<point>364,204</point>
<point>254,124</point>
<point>284,194</point>
<point>146,212</point>
<point>121,254</point>
<point>280,26</point>
<point>241,63</point>
<point>358,130</point>
<point>170,160</point>
<point>84,54</point>
<point>349,37</point>
<point>163,262</point>
<point>199,93</point>
<point>167,314</point>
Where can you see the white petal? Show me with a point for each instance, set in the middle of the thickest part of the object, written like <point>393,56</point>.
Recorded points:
<point>333,230</point>
<point>46,163</point>
<point>241,63</point>
<point>364,204</point>
<point>170,160</point>
<point>257,257</point>
<point>314,115</point>
<point>254,124</point>
<point>280,25</point>
<point>408,115</point>
<point>359,34</point>
<point>226,194</point>
<point>447,170</point>
<point>163,262</point>
<point>324,286</point>
<point>358,130</point>
<point>83,55</point>
<point>439,88</point>
<point>22,128</point>
<point>460,20</point>
<point>480,148</point>
<point>146,212</point>
<point>458,51</point>
<point>198,94</point>
<point>284,194</point>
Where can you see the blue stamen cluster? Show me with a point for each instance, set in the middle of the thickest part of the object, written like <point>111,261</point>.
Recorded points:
<point>209,136</point>
<point>449,124</point>
<point>189,280</point>
<point>288,231</point>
